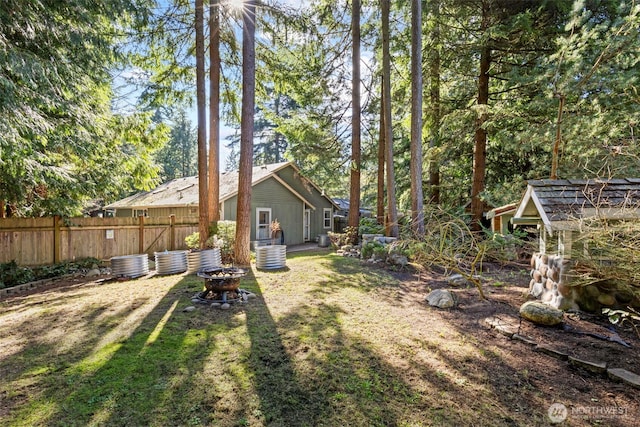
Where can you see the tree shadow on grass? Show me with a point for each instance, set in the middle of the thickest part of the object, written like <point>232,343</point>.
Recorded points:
<point>159,372</point>
<point>476,370</point>
<point>316,361</point>
<point>385,365</point>
<point>314,368</point>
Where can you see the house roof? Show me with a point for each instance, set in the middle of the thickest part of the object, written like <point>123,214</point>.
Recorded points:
<point>556,203</point>
<point>343,204</point>
<point>182,192</point>
<point>174,193</point>
<point>502,210</point>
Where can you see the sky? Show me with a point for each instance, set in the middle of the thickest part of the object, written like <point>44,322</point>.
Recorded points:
<point>225,130</point>
<point>127,95</point>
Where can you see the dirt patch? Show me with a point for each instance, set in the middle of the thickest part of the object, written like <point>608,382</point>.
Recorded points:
<point>590,398</point>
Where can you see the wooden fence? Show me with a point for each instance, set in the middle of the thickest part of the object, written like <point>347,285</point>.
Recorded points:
<point>41,241</point>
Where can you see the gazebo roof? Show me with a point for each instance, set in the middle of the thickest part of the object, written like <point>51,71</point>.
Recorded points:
<point>557,203</point>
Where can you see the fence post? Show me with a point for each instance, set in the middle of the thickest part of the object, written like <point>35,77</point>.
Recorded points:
<point>56,239</point>
<point>141,235</point>
<point>172,232</point>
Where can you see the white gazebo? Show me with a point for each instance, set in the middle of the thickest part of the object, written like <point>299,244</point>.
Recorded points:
<point>558,208</point>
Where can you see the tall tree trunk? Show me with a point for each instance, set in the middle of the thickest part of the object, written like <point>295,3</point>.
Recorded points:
<point>392,212</point>
<point>354,188</point>
<point>245,166</point>
<point>434,90</point>
<point>203,221</point>
<point>480,140</point>
<point>417,214</point>
<point>214,112</point>
<point>556,144</point>
<point>277,136</point>
<point>381,153</point>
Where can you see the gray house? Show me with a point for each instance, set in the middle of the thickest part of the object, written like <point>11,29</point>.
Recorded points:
<point>279,191</point>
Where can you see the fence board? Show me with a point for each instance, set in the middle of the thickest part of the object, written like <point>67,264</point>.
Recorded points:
<point>32,241</point>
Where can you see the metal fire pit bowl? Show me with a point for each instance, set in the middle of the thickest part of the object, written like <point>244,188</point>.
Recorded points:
<point>221,285</point>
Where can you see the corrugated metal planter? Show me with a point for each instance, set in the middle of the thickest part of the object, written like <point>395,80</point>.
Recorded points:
<point>131,266</point>
<point>270,257</point>
<point>204,259</point>
<point>171,262</point>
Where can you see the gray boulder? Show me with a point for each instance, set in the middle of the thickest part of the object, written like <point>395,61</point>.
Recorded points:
<point>458,280</point>
<point>540,313</point>
<point>398,259</point>
<point>95,271</point>
<point>92,273</point>
<point>441,298</point>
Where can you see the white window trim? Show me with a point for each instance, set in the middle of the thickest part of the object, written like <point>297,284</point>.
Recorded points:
<point>324,218</point>
<point>134,213</point>
<point>306,224</point>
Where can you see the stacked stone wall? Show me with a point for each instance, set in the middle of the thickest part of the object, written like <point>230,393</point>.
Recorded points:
<point>551,283</point>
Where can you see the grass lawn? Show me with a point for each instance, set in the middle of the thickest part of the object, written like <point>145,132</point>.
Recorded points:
<point>328,341</point>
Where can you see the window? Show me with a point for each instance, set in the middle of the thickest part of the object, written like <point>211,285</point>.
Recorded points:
<point>140,212</point>
<point>327,217</point>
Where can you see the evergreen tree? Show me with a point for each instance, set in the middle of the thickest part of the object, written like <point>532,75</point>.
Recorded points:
<point>356,152</point>
<point>178,157</point>
<point>417,213</point>
<point>243,211</point>
<point>60,144</point>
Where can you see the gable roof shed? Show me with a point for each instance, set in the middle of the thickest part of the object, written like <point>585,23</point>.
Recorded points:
<point>557,204</point>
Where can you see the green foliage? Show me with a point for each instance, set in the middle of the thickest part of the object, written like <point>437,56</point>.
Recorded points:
<point>607,252</point>
<point>61,145</point>
<point>227,234</point>
<point>373,248</point>
<point>504,248</point>
<point>193,240</point>
<point>370,226</point>
<point>11,274</point>
<point>449,245</point>
<point>178,157</point>
<point>63,142</point>
<point>224,240</point>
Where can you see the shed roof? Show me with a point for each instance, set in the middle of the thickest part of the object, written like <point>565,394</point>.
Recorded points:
<point>502,210</point>
<point>182,192</point>
<point>557,202</point>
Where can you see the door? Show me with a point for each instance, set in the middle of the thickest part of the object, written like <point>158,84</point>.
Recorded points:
<point>307,225</point>
<point>263,221</point>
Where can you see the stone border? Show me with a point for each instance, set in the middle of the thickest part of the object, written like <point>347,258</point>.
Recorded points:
<point>14,290</point>
<point>510,328</point>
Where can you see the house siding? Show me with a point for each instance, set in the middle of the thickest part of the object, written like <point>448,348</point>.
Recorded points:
<point>124,213</point>
<point>188,211</point>
<point>310,193</point>
<point>284,205</point>
<point>285,192</point>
